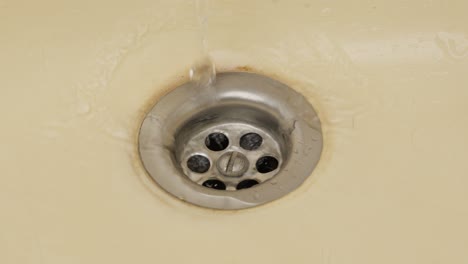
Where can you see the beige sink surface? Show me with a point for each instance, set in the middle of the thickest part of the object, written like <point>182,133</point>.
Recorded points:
<point>388,78</point>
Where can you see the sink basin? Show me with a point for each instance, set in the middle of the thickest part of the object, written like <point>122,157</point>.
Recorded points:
<point>388,80</point>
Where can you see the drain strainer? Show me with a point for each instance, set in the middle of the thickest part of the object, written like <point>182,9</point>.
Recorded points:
<point>244,142</point>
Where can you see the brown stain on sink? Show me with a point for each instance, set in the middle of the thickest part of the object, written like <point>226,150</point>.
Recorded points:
<point>245,68</point>
<point>136,161</point>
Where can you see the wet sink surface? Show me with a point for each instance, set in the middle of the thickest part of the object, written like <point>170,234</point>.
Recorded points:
<point>388,80</point>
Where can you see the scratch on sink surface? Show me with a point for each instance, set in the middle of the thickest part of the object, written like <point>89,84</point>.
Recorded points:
<point>326,256</point>
<point>335,79</point>
<point>110,59</point>
<point>34,232</point>
<point>87,94</point>
<point>413,137</point>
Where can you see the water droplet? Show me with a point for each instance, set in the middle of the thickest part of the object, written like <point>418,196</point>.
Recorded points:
<point>82,108</point>
<point>326,11</point>
<point>203,73</point>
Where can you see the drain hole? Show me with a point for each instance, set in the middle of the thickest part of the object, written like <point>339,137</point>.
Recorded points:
<point>266,164</point>
<point>215,184</point>
<point>251,141</point>
<point>198,164</point>
<point>246,184</point>
<point>216,141</point>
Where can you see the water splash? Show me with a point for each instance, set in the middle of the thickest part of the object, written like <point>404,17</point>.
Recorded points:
<point>201,8</point>
<point>203,71</point>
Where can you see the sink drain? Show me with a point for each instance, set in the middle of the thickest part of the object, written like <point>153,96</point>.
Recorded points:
<point>247,141</point>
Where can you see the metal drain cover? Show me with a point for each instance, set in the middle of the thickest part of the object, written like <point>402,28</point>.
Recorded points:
<point>245,141</point>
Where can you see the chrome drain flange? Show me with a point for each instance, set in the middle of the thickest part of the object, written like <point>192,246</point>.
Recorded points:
<point>243,142</point>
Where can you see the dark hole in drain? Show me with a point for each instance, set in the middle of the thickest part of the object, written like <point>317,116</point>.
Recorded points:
<point>251,141</point>
<point>216,141</point>
<point>215,184</point>
<point>246,184</point>
<point>198,164</point>
<point>266,164</point>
